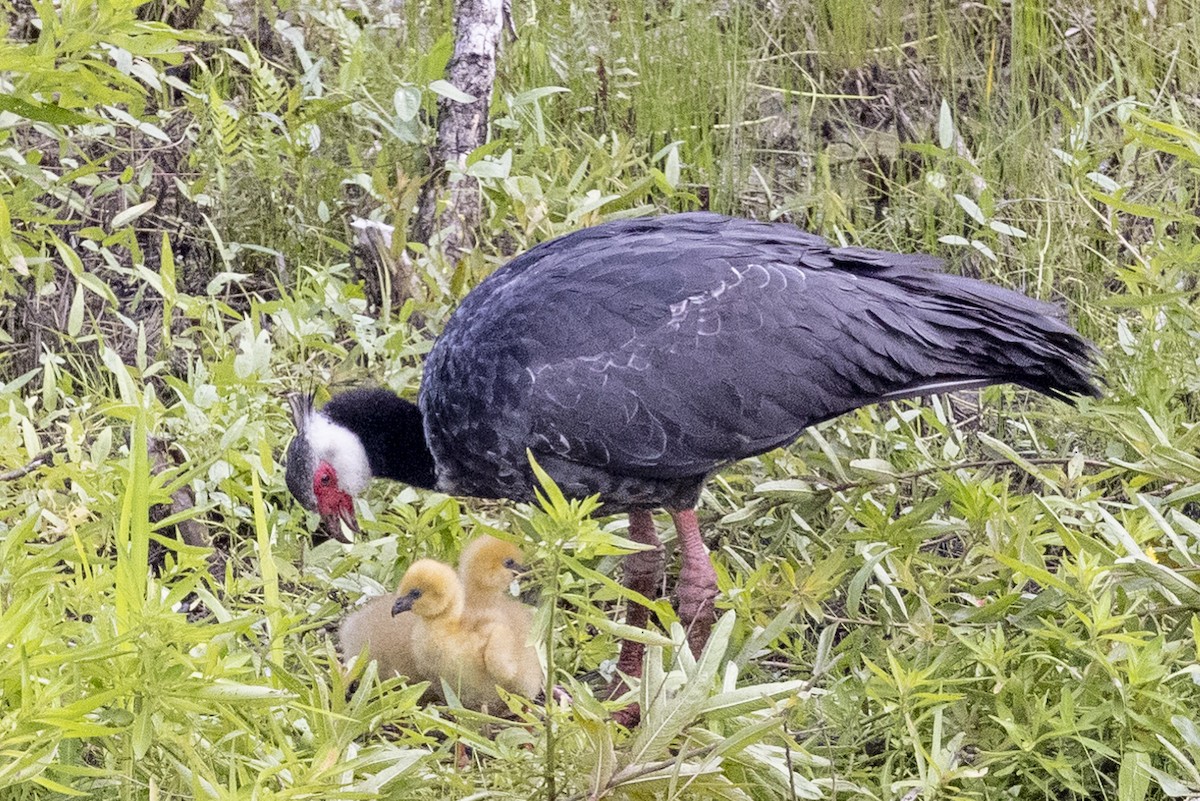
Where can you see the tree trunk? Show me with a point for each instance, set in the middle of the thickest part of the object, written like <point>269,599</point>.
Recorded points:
<point>462,127</point>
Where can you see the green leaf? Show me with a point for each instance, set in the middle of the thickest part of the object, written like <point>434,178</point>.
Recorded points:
<point>766,635</point>
<point>75,315</point>
<point>1007,230</point>
<point>1133,780</point>
<point>450,91</point>
<point>5,221</point>
<point>407,102</point>
<point>42,112</point>
<point>538,93</point>
<point>879,467</point>
<point>1038,574</point>
<point>982,247</point>
<point>626,632</point>
<point>971,208</point>
<point>132,213</point>
<point>270,575</point>
<point>945,126</point>
<point>750,698</point>
<point>225,690</point>
<point>550,496</point>
<point>859,582</point>
<point>666,713</point>
<point>671,169</point>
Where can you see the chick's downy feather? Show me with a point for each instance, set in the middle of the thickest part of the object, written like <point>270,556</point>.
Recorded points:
<point>472,654</point>
<point>464,628</point>
<point>387,639</point>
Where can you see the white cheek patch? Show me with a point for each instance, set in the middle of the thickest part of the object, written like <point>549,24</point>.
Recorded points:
<point>344,451</point>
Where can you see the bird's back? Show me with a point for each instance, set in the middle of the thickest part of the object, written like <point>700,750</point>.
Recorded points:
<point>636,357</point>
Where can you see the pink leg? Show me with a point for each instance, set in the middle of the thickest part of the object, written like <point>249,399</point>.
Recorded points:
<point>697,586</point>
<point>643,574</point>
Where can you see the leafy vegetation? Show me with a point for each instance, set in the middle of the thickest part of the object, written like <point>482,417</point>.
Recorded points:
<point>970,597</point>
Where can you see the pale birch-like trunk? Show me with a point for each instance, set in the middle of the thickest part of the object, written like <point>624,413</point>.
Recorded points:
<point>449,211</point>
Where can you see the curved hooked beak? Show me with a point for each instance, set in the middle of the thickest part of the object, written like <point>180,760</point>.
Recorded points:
<point>334,521</point>
<point>404,603</point>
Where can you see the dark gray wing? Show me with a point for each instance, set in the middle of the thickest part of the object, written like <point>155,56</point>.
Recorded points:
<point>769,349</point>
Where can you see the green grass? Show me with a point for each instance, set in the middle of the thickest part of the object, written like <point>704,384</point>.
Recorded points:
<point>992,598</point>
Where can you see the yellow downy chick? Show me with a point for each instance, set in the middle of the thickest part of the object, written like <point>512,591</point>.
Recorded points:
<point>443,646</point>
<point>487,568</point>
<point>451,646</point>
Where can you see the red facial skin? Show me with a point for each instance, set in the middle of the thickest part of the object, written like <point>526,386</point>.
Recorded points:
<point>335,506</point>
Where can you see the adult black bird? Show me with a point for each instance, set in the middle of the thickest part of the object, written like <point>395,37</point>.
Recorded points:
<point>636,358</point>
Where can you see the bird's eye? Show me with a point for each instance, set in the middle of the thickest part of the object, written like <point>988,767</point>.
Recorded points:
<point>325,479</point>
<point>510,563</point>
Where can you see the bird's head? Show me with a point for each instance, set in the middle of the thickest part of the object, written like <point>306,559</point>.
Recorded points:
<point>326,466</point>
<point>429,588</point>
<point>489,565</point>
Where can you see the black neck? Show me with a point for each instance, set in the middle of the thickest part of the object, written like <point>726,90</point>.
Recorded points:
<point>391,431</point>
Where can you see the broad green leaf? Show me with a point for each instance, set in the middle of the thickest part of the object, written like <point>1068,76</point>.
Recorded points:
<point>234,691</point>
<point>982,247</point>
<point>664,714</point>
<point>1133,780</point>
<point>42,112</point>
<point>75,315</point>
<point>751,698</point>
<point>132,213</point>
<point>857,584</point>
<point>878,467</point>
<point>945,126</point>
<point>407,102</point>
<point>971,208</point>
<point>634,633</point>
<point>450,91</point>
<point>766,635</point>
<point>1007,230</point>
<point>534,95</point>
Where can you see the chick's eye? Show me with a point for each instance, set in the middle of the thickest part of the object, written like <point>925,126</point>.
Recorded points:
<point>511,564</point>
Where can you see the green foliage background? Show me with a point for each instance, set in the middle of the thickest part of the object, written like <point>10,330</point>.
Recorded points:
<point>981,597</point>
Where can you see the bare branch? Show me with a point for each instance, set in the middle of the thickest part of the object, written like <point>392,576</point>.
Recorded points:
<point>45,457</point>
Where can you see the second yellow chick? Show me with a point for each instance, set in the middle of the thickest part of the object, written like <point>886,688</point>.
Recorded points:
<point>487,569</point>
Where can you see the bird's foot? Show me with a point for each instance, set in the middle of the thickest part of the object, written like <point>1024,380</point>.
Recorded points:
<point>462,755</point>
<point>697,587</point>
<point>697,610</point>
<point>628,716</point>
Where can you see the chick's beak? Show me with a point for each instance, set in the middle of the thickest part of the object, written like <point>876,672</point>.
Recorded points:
<point>403,604</point>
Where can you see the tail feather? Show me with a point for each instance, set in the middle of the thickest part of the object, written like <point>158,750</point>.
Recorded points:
<point>974,334</point>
